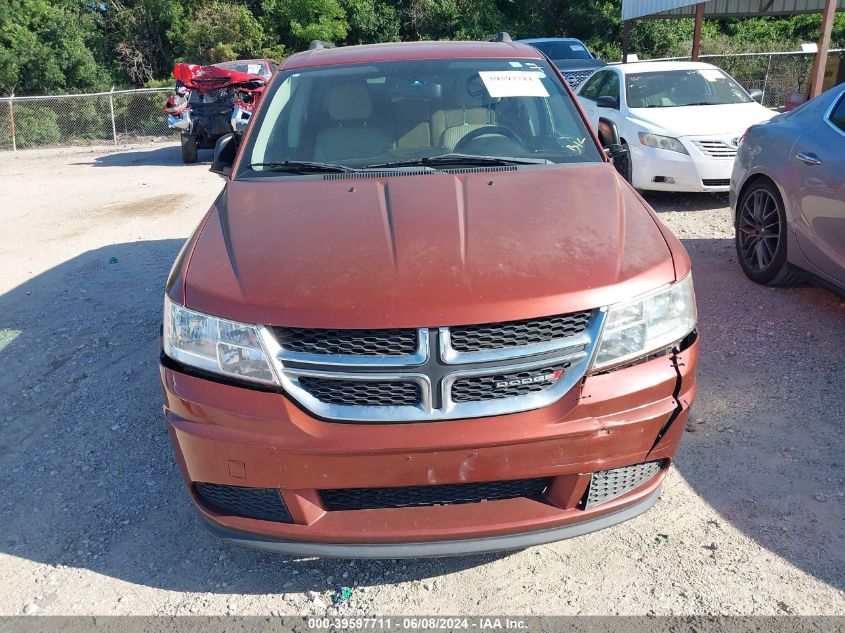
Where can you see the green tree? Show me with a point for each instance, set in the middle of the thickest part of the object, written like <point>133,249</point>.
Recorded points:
<point>221,31</point>
<point>44,47</point>
<point>371,21</point>
<point>143,36</point>
<point>296,22</point>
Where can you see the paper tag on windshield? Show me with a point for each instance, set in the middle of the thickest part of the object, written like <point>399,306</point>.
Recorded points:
<point>253,69</point>
<point>576,47</point>
<point>513,83</point>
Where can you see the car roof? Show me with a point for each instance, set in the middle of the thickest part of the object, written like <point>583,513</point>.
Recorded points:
<point>644,67</point>
<point>409,51</point>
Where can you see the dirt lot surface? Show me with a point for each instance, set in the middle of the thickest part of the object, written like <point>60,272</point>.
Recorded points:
<point>95,519</point>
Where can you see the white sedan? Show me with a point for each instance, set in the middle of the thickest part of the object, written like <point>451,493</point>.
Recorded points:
<point>680,121</point>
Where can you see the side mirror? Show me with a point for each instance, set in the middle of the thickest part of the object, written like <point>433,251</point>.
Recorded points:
<point>224,155</point>
<point>608,133</point>
<point>616,152</point>
<point>607,101</point>
<point>756,94</point>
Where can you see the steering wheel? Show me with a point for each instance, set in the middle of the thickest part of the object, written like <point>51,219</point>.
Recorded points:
<point>496,130</point>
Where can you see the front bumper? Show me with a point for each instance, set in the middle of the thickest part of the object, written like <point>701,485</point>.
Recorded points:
<point>423,549</point>
<point>229,435</point>
<point>693,172</point>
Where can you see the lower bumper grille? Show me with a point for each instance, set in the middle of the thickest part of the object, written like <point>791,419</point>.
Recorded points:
<point>417,496</point>
<point>386,393</point>
<point>716,182</point>
<point>481,388</point>
<point>251,503</point>
<point>610,484</point>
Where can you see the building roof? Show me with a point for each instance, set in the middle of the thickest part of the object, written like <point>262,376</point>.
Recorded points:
<point>634,9</point>
<point>409,51</point>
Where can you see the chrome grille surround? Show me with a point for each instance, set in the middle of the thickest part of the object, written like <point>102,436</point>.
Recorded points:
<point>434,367</point>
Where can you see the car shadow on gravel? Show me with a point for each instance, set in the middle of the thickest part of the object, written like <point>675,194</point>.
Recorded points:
<point>166,155</point>
<point>765,442</point>
<point>88,475</point>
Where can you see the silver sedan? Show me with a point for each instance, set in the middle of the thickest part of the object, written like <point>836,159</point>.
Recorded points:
<point>788,195</point>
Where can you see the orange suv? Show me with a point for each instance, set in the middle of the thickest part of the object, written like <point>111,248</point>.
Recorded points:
<point>425,316</point>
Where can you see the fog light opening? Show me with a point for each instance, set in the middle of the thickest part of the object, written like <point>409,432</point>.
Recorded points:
<point>666,179</point>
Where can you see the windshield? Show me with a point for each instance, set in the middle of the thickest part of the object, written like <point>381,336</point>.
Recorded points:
<point>675,88</point>
<point>403,113</point>
<point>249,66</point>
<point>567,49</point>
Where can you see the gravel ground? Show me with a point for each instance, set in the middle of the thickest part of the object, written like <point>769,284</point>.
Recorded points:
<point>95,520</point>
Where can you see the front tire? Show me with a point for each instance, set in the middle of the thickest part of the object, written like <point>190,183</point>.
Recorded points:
<point>761,236</point>
<point>625,168</point>
<point>189,149</point>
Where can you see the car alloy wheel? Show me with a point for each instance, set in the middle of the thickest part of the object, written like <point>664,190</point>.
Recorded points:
<point>761,236</point>
<point>758,230</point>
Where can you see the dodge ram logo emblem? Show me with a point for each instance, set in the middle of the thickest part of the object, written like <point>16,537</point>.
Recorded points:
<point>550,377</point>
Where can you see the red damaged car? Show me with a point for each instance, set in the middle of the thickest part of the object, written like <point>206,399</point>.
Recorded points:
<point>212,101</point>
<point>425,316</point>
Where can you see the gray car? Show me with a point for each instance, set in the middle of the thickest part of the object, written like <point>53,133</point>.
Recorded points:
<point>571,56</point>
<point>788,195</point>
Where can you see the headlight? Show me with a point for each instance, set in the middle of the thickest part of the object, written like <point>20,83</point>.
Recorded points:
<point>663,142</point>
<point>216,345</point>
<point>647,324</point>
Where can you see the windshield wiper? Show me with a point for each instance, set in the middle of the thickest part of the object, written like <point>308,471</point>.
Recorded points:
<point>302,166</point>
<point>701,103</point>
<point>461,159</point>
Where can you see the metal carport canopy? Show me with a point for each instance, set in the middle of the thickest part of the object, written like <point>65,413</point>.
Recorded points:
<point>647,9</point>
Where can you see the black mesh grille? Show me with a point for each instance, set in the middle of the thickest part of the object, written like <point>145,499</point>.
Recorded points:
<point>253,503</point>
<point>348,342</point>
<point>577,77</point>
<point>414,496</point>
<point>489,336</point>
<point>609,484</point>
<point>506,385</point>
<point>716,182</point>
<point>362,392</point>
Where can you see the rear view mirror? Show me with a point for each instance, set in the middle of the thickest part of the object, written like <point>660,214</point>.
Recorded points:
<point>224,155</point>
<point>756,94</point>
<point>607,101</point>
<point>418,90</point>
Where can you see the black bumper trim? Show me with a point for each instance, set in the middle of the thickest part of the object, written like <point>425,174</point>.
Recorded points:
<point>432,548</point>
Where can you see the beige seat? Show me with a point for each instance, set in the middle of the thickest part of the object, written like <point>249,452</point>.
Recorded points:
<point>413,124</point>
<point>469,113</point>
<point>351,134</point>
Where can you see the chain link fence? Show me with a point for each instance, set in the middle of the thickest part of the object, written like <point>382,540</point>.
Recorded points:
<point>127,116</point>
<point>119,116</point>
<point>778,75</point>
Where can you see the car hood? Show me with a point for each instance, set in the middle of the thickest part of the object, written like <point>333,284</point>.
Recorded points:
<point>715,120</point>
<point>566,65</point>
<point>425,250</point>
